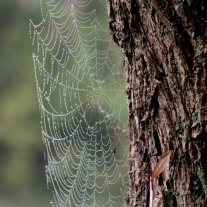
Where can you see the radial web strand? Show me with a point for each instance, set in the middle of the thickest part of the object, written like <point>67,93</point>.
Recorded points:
<point>80,86</point>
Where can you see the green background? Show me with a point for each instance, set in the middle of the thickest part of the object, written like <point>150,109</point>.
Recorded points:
<point>22,166</point>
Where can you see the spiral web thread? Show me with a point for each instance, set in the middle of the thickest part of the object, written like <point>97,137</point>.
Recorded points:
<point>80,86</point>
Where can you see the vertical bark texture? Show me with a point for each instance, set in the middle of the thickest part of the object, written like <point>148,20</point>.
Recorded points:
<point>165,47</point>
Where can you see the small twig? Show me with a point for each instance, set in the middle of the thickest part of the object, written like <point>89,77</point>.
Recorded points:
<point>151,193</point>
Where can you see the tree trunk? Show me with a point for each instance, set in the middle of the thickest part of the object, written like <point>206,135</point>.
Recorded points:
<point>165,48</point>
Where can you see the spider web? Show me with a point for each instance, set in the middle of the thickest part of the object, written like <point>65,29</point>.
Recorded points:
<point>80,86</point>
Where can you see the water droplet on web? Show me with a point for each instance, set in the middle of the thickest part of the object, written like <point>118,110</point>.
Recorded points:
<point>47,98</point>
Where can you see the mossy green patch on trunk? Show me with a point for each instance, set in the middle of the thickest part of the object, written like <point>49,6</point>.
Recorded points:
<point>202,178</point>
<point>167,199</point>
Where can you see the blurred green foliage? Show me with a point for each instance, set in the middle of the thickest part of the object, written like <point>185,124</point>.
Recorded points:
<point>22,177</point>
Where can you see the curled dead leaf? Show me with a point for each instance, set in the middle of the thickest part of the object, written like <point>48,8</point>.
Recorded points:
<point>162,165</point>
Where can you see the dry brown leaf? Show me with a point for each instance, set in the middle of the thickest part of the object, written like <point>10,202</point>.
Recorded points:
<point>162,164</point>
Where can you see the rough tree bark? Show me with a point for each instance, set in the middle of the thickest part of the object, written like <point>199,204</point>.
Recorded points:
<point>165,48</point>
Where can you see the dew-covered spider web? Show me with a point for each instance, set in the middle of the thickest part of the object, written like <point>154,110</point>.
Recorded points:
<point>80,86</point>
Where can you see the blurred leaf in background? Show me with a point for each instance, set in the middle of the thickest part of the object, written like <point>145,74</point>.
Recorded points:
<point>22,176</point>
